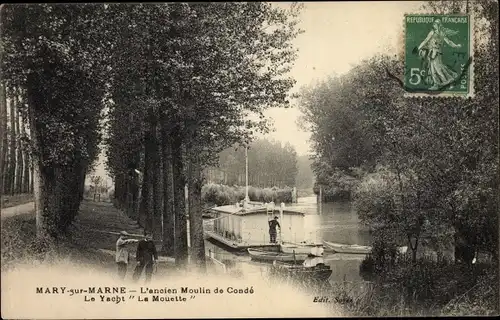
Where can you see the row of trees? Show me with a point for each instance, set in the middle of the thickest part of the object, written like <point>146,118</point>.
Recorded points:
<point>175,84</point>
<point>15,169</point>
<point>270,164</point>
<point>185,79</point>
<point>423,169</point>
<point>51,60</point>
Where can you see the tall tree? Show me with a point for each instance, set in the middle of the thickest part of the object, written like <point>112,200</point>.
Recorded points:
<point>3,136</point>
<point>204,76</point>
<point>12,159</point>
<point>19,147</point>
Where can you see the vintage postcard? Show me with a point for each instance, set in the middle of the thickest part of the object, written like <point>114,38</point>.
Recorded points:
<point>249,159</point>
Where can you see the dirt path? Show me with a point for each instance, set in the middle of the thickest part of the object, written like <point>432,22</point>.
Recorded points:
<point>91,239</point>
<point>26,208</point>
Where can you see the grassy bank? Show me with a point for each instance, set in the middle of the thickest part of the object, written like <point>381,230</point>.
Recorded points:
<point>8,201</point>
<point>424,288</point>
<point>19,246</point>
<point>90,240</point>
<point>218,194</point>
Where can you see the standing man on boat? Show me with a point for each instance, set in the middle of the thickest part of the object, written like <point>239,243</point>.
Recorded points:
<point>272,229</point>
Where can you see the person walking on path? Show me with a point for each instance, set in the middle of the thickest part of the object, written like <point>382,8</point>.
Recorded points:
<point>122,253</point>
<point>272,229</point>
<point>146,256</point>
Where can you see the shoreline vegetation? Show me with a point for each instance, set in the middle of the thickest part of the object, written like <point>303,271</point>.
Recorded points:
<point>218,194</point>
<point>420,173</point>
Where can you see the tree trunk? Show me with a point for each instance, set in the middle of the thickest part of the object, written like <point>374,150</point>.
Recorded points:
<point>168,195</point>
<point>120,190</point>
<point>157,185</point>
<point>12,158</point>
<point>148,191</point>
<point>46,222</point>
<point>135,183</point>
<point>27,165</point>
<point>195,214</point>
<point>129,203</point>
<point>82,182</point>
<point>144,191</point>
<point>19,157</point>
<point>32,177</point>
<point>54,186</point>
<point>69,183</point>
<point>181,249</point>
<point>3,136</point>
<point>116,192</point>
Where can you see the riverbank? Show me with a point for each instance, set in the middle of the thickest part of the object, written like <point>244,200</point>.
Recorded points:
<point>85,258</point>
<point>90,245</point>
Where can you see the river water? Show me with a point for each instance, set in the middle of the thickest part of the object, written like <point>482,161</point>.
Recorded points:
<point>335,222</point>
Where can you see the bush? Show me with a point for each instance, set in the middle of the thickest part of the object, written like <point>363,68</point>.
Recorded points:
<point>429,288</point>
<point>220,195</point>
<point>434,283</point>
<point>481,299</point>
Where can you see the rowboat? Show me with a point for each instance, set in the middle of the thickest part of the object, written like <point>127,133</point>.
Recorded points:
<point>354,248</point>
<point>302,248</point>
<point>347,248</point>
<point>270,256</point>
<point>319,272</point>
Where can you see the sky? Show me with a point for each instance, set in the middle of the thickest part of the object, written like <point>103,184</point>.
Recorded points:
<point>337,36</point>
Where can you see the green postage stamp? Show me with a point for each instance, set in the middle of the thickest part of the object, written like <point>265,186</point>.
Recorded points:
<point>438,55</point>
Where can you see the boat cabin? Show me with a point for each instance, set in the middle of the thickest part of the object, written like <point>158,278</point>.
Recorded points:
<point>247,225</point>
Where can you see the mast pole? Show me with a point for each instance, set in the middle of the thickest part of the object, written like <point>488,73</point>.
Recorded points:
<point>246,175</point>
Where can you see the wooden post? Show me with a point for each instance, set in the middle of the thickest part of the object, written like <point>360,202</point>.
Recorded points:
<point>282,207</point>
<point>320,202</point>
<point>247,199</point>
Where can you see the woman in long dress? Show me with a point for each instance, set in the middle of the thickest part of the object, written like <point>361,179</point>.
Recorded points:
<point>440,73</point>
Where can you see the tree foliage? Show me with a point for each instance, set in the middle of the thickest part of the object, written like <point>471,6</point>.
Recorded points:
<point>201,74</point>
<point>426,168</point>
<point>52,55</point>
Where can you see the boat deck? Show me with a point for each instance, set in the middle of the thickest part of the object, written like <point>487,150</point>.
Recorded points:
<point>239,245</point>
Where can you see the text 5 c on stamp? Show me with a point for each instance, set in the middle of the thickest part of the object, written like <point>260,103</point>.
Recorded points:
<point>438,55</point>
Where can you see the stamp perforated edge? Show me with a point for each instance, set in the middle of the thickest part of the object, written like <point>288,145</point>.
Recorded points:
<point>472,35</point>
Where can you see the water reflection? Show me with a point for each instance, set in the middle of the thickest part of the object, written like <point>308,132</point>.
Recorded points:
<point>335,222</point>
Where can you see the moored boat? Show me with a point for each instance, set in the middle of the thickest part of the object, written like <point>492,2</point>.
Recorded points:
<point>302,248</point>
<point>354,248</point>
<point>270,256</point>
<point>347,248</point>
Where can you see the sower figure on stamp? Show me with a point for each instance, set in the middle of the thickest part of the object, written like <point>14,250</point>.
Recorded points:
<point>440,73</point>
<point>122,253</point>
<point>272,229</point>
<point>146,256</point>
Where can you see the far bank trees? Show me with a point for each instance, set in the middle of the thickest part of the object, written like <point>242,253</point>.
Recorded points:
<point>422,171</point>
